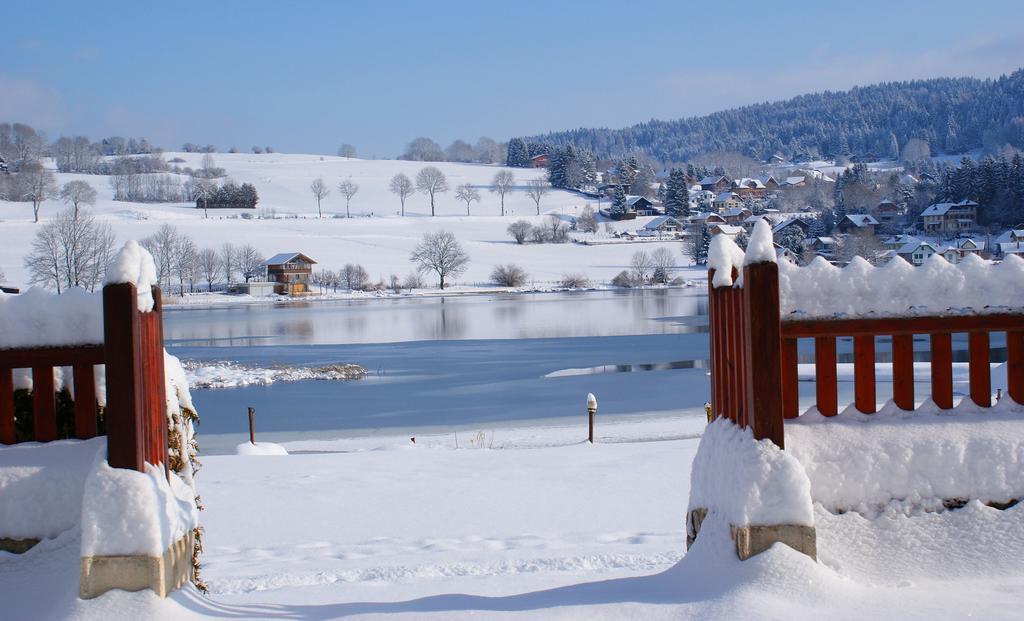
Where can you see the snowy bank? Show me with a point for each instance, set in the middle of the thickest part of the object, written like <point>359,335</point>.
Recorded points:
<point>235,375</point>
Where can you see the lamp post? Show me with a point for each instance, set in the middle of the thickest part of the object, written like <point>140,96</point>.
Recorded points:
<point>252,434</point>
<point>591,410</point>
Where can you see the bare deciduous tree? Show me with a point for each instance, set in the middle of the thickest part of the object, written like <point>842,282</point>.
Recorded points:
<point>641,264</point>
<point>440,253</point>
<point>587,222</point>
<point>502,185</point>
<point>320,192</point>
<point>510,275</point>
<point>468,194</point>
<point>186,263</point>
<point>431,181</point>
<point>228,261</point>
<point>348,189</point>
<point>557,231</point>
<point>536,189</point>
<point>519,230</point>
<point>163,245</point>
<point>401,186</point>
<point>70,251</point>
<point>663,261</point>
<point>346,150</point>
<point>78,193</point>
<point>250,262</point>
<point>354,276</point>
<point>37,184</point>
<point>209,266</point>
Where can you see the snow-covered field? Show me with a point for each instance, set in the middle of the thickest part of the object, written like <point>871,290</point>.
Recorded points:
<point>545,527</point>
<point>381,243</point>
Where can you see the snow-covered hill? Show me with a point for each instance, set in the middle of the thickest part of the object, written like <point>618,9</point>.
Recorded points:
<point>376,236</point>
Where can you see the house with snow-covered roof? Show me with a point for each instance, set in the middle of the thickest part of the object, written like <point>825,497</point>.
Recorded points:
<point>858,223</point>
<point>735,215</point>
<point>916,253</point>
<point>716,183</point>
<point>886,211</point>
<point>747,186</point>
<point>783,226</point>
<point>290,272</point>
<point>726,200</point>
<point>725,229</point>
<point>664,224</point>
<point>641,205</point>
<point>945,218</point>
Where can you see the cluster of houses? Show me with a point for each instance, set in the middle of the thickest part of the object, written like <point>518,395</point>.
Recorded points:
<point>723,206</point>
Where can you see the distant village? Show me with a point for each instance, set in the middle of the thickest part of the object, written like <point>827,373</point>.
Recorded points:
<point>718,204</point>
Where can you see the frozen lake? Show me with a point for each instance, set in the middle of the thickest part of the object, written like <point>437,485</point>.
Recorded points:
<point>459,362</point>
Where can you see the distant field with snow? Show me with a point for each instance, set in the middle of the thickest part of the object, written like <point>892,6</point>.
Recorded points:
<point>376,236</point>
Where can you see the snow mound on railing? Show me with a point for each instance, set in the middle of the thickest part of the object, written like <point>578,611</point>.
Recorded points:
<point>821,290</point>
<point>133,264</point>
<point>761,247</point>
<point>909,462</point>
<point>39,318</point>
<point>748,482</point>
<point>724,256</point>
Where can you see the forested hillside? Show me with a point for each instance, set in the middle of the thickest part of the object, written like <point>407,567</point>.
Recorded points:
<point>949,115</point>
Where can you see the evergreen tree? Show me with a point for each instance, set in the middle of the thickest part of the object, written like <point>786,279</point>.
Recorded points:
<point>518,155</point>
<point>677,194</point>
<point>699,246</point>
<point>619,200</point>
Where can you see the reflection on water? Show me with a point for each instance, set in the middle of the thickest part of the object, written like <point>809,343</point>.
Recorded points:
<point>390,320</point>
<point>631,368</point>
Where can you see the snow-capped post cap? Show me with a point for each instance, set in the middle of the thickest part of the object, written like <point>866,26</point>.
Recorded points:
<point>723,256</point>
<point>761,247</point>
<point>591,402</point>
<point>133,264</point>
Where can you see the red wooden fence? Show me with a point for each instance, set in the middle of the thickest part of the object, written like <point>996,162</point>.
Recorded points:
<point>754,355</point>
<point>135,412</point>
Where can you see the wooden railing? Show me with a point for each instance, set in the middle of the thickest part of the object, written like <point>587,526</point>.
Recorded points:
<point>134,418</point>
<point>754,380</point>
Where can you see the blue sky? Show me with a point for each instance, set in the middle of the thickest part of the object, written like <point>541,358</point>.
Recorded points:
<point>308,76</point>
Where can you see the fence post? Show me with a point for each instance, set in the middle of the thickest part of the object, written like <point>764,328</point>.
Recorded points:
<point>122,352</point>
<point>762,373</point>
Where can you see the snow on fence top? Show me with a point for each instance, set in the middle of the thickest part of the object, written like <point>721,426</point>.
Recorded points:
<point>135,265</point>
<point>899,289</point>
<point>38,318</point>
<point>822,290</point>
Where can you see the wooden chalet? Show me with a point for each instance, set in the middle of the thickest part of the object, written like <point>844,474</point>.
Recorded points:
<point>539,161</point>
<point>290,272</point>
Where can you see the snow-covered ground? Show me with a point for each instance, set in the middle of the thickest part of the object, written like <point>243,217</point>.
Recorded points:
<point>381,243</point>
<point>544,527</point>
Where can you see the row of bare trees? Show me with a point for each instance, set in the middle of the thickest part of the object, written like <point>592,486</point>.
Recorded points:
<point>432,182</point>
<point>178,259</point>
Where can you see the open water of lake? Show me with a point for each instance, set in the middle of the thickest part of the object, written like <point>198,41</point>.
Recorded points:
<point>452,361</point>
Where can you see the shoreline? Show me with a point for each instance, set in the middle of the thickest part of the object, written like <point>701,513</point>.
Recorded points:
<point>206,301</point>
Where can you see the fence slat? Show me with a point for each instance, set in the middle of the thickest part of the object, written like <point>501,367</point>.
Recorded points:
<point>85,402</point>
<point>790,380</point>
<point>942,370</point>
<point>1015,365</point>
<point>7,431</point>
<point>864,374</point>
<point>739,365</point>
<point>903,371</point>
<point>825,375</point>
<point>979,370</point>
<point>729,401</point>
<point>44,409</point>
